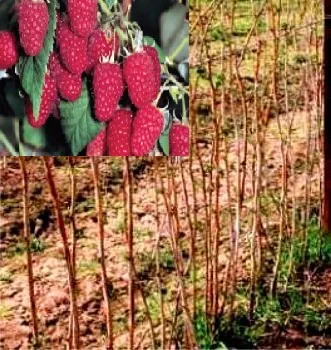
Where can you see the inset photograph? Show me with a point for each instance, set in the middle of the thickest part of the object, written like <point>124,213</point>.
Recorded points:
<point>94,77</point>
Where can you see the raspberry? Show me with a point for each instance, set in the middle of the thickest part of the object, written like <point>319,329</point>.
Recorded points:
<point>153,54</point>
<point>33,20</point>
<point>73,49</point>
<point>48,101</point>
<point>54,64</point>
<point>139,74</point>
<point>101,44</point>
<point>147,127</point>
<point>97,146</point>
<point>83,16</point>
<point>69,85</point>
<point>8,49</point>
<point>108,88</point>
<point>119,134</point>
<point>179,140</point>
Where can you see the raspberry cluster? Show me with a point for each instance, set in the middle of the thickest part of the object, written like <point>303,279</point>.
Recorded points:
<point>84,47</point>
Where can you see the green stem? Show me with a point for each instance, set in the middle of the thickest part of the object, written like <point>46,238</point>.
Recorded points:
<point>178,49</point>
<point>10,148</point>
<point>104,7</point>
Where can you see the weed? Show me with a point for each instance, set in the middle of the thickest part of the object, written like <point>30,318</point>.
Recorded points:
<point>5,311</point>
<point>6,276</point>
<point>88,268</point>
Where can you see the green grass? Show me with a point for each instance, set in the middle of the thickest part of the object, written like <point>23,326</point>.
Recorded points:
<point>88,268</point>
<point>6,275</point>
<point>19,249</point>
<point>5,311</point>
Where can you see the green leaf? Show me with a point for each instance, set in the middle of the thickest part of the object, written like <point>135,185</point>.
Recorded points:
<point>79,127</point>
<point>164,138</point>
<point>174,92</point>
<point>32,70</point>
<point>164,143</point>
<point>34,137</point>
<point>151,42</point>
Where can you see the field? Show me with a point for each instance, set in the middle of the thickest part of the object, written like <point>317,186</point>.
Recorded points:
<point>222,249</point>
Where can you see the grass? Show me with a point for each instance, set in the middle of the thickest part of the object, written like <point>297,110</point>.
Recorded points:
<point>19,249</point>
<point>5,311</point>
<point>5,275</point>
<point>88,268</point>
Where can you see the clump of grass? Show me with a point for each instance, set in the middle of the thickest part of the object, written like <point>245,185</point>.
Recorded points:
<point>6,275</point>
<point>88,268</point>
<point>5,311</point>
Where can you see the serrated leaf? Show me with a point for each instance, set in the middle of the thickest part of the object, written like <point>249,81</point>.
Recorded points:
<point>79,127</point>
<point>32,136</point>
<point>151,42</point>
<point>164,143</point>
<point>32,70</point>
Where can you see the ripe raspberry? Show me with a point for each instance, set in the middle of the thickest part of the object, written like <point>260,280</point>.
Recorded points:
<point>54,64</point>
<point>147,127</point>
<point>33,23</point>
<point>101,44</point>
<point>152,53</point>
<point>69,85</point>
<point>48,101</point>
<point>97,147</point>
<point>138,71</point>
<point>108,88</point>
<point>73,49</point>
<point>119,134</point>
<point>179,140</point>
<point>83,16</point>
<point>8,49</point>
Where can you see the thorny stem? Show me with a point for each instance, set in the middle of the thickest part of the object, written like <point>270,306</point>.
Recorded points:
<point>99,209</point>
<point>28,249</point>
<point>129,235</point>
<point>61,227</point>
<point>73,229</point>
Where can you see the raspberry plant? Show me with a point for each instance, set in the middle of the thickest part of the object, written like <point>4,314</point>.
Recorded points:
<point>68,70</point>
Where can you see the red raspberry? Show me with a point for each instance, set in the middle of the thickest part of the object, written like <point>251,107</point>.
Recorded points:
<point>101,44</point>
<point>153,54</point>
<point>97,147</point>
<point>138,71</point>
<point>69,85</point>
<point>108,88</point>
<point>179,140</point>
<point>83,16</point>
<point>8,49</point>
<point>119,134</point>
<point>73,49</point>
<point>147,127</point>
<point>33,20</point>
<point>54,64</point>
<point>48,101</point>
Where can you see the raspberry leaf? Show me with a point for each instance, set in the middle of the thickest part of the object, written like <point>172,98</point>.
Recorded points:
<point>163,141</point>
<point>32,70</point>
<point>79,127</point>
<point>35,137</point>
